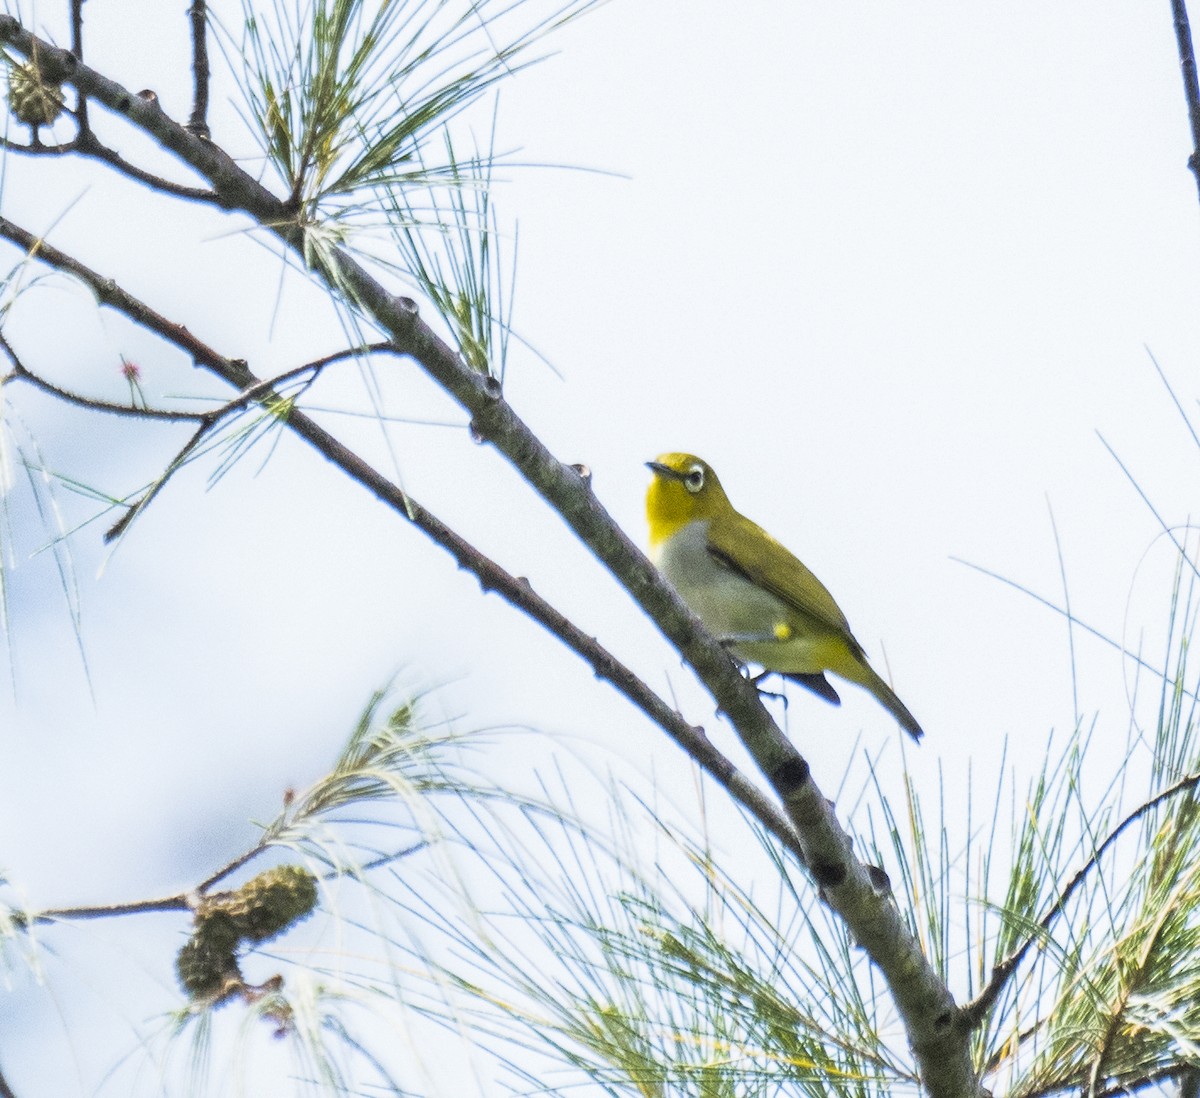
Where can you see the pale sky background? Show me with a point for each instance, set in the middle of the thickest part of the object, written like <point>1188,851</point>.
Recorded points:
<point>890,268</point>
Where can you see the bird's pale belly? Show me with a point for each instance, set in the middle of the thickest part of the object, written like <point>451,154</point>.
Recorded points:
<point>756,626</point>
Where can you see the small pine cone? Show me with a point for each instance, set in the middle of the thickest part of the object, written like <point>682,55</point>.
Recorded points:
<point>268,904</point>
<point>33,99</point>
<point>207,972</point>
<point>217,926</point>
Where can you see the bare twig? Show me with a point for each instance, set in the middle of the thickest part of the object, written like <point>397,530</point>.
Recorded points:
<point>198,122</point>
<point>81,109</point>
<point>232,866</point>
<point>394,856</point>
<point>242,859</point>
<point>139,505</point>
<point>183,901</point>
<point>179,902</point>
<point>972,1013</point>
<point>1191,89</point>
<point>341,356</point>
<point>21,373</point>
<point>209,421</point>
<point>37,149</point>
<point>255,392</point>
<point>5,1090</point>
<point>87,144</point>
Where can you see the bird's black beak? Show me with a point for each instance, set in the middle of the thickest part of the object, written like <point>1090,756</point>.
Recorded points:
<point>661,470</point>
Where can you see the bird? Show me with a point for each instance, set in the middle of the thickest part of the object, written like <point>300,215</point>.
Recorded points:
<point>749,591</point>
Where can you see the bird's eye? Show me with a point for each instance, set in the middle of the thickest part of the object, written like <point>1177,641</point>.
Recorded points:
<point>694,481</point>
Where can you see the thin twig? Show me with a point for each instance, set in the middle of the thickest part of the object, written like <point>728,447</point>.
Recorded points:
<point>21,373</point>
<point>232,866</point>
<point>87,144</point>
<point>209,421</point>
<point>38,149</point>
<point>81,109</point>
<point>340,356</point>
<point>178,902</point>
<point>395,856</point>
<point>198,122</point>
<point>5,1090</point>
<point>268,387</point>
<point>1191,89</point>
<point>972,1013</point>
<point>138,506</point>
<point>206,420</point>
<point>183,901</point>
<point>375,863</point>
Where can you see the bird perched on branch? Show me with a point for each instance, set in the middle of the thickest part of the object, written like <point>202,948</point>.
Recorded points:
<point>750,592</point>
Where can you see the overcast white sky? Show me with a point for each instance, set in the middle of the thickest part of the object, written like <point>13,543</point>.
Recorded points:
<point>890,268</point>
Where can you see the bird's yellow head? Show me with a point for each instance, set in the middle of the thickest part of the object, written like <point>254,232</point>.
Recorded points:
<point>684,490</point>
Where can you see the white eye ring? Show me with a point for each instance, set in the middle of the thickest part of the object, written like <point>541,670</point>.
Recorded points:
<point>694,480</point>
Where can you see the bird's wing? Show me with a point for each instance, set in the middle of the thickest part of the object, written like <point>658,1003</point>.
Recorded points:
<point>746,548</point>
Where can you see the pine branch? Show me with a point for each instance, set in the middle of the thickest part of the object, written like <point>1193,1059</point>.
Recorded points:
<point>928,1010</point>
<point>81,111</point>
<point>87,144</point>
<point>21,373</point>
<point>179,902</point>
<point>1191,88</point>
<point>973,1013</point>
<point>198,16</point>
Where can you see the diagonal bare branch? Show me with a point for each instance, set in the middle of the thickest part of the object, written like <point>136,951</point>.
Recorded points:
<point>81,111</point>
<point>198,17</point>
<point>1191,88</point>
<point>20,372</point>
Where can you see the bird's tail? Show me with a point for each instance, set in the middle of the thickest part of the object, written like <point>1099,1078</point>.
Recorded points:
<point>863,674</point>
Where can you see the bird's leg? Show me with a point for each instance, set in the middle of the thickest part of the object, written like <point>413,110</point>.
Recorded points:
<point>731,640</point>
<point>756,679</point>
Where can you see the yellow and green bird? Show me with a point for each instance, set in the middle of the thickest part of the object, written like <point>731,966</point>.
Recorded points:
<point>750,592</point>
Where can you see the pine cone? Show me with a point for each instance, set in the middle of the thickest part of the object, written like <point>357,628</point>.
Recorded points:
<point>31,97</point>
